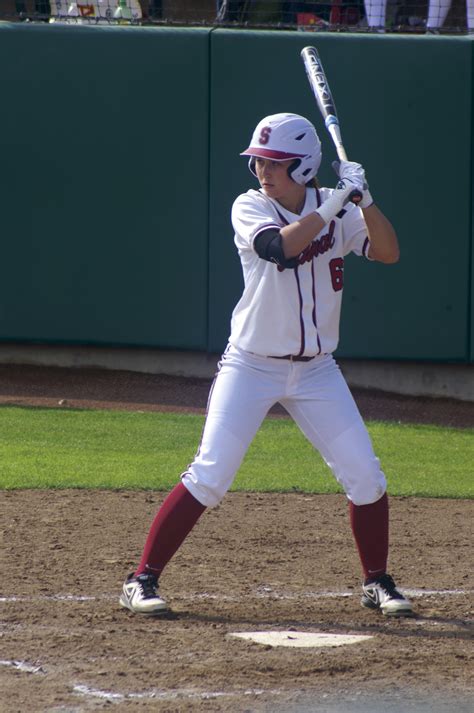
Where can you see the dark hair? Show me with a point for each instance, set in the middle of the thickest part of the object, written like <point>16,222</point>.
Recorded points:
<point>313,183</point>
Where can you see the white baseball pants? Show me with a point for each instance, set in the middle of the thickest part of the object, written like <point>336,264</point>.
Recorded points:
<point>315,395</point>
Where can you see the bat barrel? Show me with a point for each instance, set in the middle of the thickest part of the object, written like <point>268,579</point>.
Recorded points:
<point>320,86</point>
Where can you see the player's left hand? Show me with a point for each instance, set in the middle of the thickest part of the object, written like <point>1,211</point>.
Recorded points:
<point>354,172</point>
<point>351,170</point>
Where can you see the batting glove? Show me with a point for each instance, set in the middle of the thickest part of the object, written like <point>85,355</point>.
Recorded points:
<point>349,169</point>
<point>355,172</point>
<point>338,198</point>
<point>367,199</point>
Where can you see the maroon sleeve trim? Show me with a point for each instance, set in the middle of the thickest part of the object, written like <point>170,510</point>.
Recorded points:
<point>267,226</point>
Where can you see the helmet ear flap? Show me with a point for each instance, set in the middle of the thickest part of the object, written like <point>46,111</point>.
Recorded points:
<point>292,167</point>
<point>252,166</point>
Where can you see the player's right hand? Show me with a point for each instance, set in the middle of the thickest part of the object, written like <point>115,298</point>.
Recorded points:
<point>339,197</point>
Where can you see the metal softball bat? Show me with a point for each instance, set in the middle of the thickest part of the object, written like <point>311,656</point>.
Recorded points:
<point>322,93</point>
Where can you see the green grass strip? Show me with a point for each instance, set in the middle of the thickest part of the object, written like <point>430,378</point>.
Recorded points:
<point>53,448</point>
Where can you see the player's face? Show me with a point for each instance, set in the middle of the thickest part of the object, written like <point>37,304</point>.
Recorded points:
<point>275,181</point>
<point>273,176</point>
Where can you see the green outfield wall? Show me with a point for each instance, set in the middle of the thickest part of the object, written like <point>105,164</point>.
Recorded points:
<point>120,161</point>
<point>104,185</point>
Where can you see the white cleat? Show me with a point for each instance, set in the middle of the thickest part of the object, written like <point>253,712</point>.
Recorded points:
<point>140,596</point>
<point>382,594</point>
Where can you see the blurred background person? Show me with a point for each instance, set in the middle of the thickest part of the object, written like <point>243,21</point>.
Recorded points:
<point>438,11</point>
<point>375,12</point>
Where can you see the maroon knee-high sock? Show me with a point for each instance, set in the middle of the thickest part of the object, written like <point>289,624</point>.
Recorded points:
<point>370,529</point>
<point>173,522</point>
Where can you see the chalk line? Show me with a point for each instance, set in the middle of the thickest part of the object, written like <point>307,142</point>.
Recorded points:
<point>260,593</point>
<point>161,694</point>
<point>22,666</point>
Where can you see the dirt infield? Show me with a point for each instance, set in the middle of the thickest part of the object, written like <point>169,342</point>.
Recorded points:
<point>257,562</point>
<point>96,388</point>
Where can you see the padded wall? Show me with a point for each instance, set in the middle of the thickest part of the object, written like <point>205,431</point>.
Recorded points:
<point>104,146</point>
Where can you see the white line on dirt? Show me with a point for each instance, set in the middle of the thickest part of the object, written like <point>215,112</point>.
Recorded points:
<point>261,593</point>
<point>268,592</point>
<point>22,666</point>
<point>160,694</point>
<point>57,598</point>
<point>156,694</point>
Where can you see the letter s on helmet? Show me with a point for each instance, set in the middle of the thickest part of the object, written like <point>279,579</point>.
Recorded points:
<point>280,137</point>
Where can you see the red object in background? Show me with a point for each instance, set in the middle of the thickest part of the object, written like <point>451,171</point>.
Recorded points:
<point>335,16</point>
<point>86,10</point>
<point>343,14</point>
<point>307,19</point>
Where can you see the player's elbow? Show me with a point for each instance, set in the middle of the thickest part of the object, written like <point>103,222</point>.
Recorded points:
<point>387,252</point>
<point>387,256</point>
<point>391,257</point>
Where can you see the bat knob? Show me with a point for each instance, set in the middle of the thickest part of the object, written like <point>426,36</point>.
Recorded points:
<point>355,196</point>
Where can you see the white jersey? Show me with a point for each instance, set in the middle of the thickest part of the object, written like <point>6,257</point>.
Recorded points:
<point>292,311</point>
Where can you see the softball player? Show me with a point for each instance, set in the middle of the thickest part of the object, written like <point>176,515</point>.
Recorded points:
<point>292,237</point>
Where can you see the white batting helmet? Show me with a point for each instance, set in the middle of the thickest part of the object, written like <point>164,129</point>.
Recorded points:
<point>283,136</point>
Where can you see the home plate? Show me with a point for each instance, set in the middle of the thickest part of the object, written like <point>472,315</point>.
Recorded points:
<point>299,639</point>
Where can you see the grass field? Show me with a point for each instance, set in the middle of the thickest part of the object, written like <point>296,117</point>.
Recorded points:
<point>52,448</point>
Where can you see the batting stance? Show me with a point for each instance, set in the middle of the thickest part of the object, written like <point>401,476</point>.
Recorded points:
<point>292,237</point>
